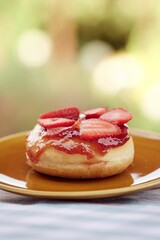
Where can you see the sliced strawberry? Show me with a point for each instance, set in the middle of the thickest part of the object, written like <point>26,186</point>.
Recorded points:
<point>63,131</point>
<point>117,116</point>
<point>71,113</point>
<point>96,128</point>
<point>95,113</point>
<point>55,131</point>
<point>55,122</point>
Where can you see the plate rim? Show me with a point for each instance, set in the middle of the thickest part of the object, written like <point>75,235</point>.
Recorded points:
<point>93,194</point>
<point>82,194</point>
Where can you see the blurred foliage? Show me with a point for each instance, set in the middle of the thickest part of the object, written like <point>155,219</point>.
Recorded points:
<point>82,34</point>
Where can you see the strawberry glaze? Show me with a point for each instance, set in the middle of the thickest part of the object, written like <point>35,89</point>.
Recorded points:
<point>70,142</point>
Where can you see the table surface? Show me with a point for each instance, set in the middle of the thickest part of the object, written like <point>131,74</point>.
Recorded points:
<point>134,216</point>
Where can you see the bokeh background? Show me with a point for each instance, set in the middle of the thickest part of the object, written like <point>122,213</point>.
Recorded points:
<point>84,53</point>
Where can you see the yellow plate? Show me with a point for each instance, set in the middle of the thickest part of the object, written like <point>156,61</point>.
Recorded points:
<point>17,177</point>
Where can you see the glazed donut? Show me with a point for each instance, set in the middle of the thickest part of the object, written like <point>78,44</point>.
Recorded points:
<point>69,144</point>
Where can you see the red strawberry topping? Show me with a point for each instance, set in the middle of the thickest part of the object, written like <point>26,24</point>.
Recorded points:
<point>93,131</point>
<point>95,113</point>
<point>96,128</point>
<point>117,116</point>
<point>55,122</point>
<point>55,131</point>
<point>71,113</point>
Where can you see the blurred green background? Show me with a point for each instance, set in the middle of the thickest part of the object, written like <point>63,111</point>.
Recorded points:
<point>84,53</point>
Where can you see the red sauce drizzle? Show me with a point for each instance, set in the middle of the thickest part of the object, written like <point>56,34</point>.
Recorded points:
<point>70,142</point>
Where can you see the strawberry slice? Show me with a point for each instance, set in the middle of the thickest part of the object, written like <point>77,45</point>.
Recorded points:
<point>71,113</point>
<point>55,122</point>
<point>117,116</point>
<point>95,113</point>
<point>55,131</point>
<point>97,128</point>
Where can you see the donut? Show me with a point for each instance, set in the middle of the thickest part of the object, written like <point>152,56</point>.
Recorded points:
<point>67,143</point>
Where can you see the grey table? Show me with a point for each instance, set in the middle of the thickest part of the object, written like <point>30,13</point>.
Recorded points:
<point>135,216</point>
